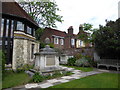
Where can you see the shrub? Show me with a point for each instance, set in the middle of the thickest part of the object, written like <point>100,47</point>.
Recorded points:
<point>67,73</point>
<point>42,45</point>
<point>78,56</point>
<point>27,67</point>
<point>51,45</point>
<point>37,78</point>
<point>82,62</point>
<point>71,61</point>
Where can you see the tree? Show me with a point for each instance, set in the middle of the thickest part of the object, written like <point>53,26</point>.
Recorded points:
<point>42,11</point>
<point>85,33</point>
<point>107,40</point>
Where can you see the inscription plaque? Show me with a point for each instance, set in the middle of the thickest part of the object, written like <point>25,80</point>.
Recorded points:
<point>50,60</point>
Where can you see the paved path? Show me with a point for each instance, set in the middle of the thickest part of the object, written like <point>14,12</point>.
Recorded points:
<point>48,83</point>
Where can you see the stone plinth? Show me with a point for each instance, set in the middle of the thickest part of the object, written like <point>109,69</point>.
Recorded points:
<point>47,60</point>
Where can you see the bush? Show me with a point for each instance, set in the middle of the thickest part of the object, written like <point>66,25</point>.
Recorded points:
<point>71,61</point>
<point>23,68</point>
<point>37,78</point>
<point>82,62</point>
<point>27,67</point>
<point>78,56</point>
<point>51,45</point>
<point>42,45</point>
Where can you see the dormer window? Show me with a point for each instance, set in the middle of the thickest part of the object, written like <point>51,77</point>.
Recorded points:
<point>20,26</point>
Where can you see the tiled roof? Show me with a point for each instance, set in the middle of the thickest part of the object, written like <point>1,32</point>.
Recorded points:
<point>13,8</point>
<point>56,32</point>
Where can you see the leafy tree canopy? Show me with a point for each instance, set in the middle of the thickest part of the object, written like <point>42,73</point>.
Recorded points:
<point>44,12</point>
<point>107,40</point>
<point>86,32</point>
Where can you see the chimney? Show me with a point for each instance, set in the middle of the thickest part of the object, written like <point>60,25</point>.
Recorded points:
<point>80,27</point>
<point>70,30</point>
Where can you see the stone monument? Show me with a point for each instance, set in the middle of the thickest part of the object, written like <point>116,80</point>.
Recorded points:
<point>47,59</point>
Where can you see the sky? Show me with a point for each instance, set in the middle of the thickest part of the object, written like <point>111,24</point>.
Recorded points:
<point>95,12</point>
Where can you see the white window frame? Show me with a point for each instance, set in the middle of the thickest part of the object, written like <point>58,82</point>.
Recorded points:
<point>56,40</point>
<point>29,30</point>
<point>72,41</point>
<point>20,26</point>
<point>62,41</point>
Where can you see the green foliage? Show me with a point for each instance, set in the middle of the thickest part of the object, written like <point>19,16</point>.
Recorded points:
<point>2,63</point>
<point>78,56</point>
<point>43,12</point>
<point>13,79</point>
<point>71,61</point>
<point>42,45</point>
<point>85,33</point>
<point>107,40</point>
<point>87,27</point>
<point>25,67</point>
<point>82,62</point>
<point>37,78</point>
<point>51,45</point>
<point>38,33</point>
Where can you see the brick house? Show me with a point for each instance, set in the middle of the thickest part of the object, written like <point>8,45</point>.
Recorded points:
<point>63,40</point>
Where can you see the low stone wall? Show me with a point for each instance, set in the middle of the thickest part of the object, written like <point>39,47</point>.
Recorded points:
<point>86,51</point>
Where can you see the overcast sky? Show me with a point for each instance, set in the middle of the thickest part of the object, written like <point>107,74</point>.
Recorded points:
<point>76,12</point>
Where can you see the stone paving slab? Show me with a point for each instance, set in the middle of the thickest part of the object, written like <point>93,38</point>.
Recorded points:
<point>53,80</point>
<point>67,77</point>
<point>75,75</point>
<point>69,69</point>
<point>31,85</point>
<point>45,85</point>
<point>63,80</point>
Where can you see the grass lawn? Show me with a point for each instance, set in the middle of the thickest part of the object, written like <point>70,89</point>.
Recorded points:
<point>84,69</point>
<point>14,79</point>
<point>103,80</point>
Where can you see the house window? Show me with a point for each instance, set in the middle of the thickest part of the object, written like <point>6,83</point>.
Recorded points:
<point>12,25</point>
<point>1,30</point>
<point>33,32</point>
<point>61,41</point>
<point>20,26</point>
<point>56,40</point>
<point>32,51</point>
<point>82,44</point>
<point>7,27</point>
<point>72,41</point>
<point>29,30</point>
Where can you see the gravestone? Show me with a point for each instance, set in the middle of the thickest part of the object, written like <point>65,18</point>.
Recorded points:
<point>47,60</point>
